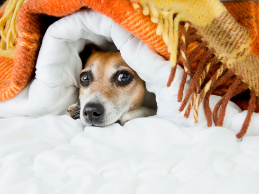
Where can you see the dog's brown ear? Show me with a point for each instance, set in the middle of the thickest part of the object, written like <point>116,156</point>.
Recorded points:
<point>88,50</point>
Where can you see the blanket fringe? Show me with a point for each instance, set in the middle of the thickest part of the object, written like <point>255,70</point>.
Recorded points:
<point>8,24</point>
<point>201,62</point>
<point>196,81</point>
<point>207,111</point>
<point>222,104</point>
<point>251,108</point>
<point>171,77</point>
<point>208,60</point>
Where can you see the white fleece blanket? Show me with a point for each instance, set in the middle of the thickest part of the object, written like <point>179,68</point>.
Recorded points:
<point>161,154</point>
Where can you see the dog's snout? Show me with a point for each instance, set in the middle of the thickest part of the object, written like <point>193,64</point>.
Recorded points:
<point>93,112</point>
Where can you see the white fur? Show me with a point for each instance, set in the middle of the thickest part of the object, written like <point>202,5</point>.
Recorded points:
<point>138,113</point>
<point>111,112</point>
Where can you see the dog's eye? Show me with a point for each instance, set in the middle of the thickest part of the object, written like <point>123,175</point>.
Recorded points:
<point>85,78</point>
<point>123,77</point>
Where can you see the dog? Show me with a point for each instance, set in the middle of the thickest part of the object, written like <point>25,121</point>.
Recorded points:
<point>110,91</point>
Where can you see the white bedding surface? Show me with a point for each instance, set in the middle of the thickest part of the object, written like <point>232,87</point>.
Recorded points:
<point>55,154</point>
<point>43,152</point>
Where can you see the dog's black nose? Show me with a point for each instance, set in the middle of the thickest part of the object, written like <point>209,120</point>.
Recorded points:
<point>93,112</point>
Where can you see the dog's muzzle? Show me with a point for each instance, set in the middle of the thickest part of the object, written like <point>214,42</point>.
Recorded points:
<point>93,113</point>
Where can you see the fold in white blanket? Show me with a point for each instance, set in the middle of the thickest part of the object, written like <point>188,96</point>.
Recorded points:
<point>52,154</point>
<point>161,154</point>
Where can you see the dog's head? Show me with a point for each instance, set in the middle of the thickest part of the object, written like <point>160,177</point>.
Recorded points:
<point>108,88</point>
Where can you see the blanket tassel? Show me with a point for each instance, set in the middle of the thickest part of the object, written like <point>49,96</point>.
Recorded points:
<point>251,108</point>
<point>185,64</point>
<point>206,102</point>
<point>195,80</point>
<point>230,93</point>
<point>171,77</point>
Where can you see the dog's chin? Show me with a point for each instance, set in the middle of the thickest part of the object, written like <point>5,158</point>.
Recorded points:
<point>87,123</point>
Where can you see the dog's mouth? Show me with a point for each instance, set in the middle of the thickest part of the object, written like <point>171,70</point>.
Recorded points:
<point>101,123</point>
<point>91,123</point>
